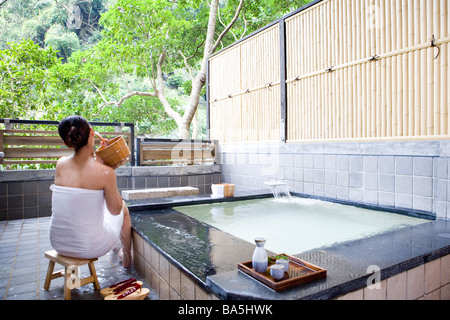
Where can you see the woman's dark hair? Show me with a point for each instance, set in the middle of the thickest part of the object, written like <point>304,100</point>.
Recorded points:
<point>74,130</point>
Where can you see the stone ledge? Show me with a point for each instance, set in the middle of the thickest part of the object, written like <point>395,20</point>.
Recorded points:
<point>167,171</point>
<point>159,193</point>
<point>127,172</point>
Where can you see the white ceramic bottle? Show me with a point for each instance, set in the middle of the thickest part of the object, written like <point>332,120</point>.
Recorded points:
<point>259,259</point>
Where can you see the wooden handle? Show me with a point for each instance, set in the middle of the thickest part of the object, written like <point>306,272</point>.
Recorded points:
<point>104,141</point>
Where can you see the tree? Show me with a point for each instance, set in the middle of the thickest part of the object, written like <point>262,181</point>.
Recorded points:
<point>25,79</point>
<point>150,38</point>
<point>140,38</point>
<point>129,75</point>
<point>65,42</point>
<point>22,19</point>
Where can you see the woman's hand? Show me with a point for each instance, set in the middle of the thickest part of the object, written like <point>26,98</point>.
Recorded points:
<point>120,164</point>
<point>103,162</point>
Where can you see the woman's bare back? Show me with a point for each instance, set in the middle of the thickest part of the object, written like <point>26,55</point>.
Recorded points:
<point>87,174</point>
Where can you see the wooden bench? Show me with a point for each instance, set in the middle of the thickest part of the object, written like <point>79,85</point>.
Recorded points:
<point>152,193</point>
<point>70,272</point>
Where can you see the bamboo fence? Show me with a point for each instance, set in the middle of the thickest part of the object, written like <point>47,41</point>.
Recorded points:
<point>245,86</point>
<point>355,70</point>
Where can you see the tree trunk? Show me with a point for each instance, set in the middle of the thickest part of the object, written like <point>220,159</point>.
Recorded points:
<point>200,79</point>
<point>184,122</point>
<point>195,125</point>
<point>184,130</point>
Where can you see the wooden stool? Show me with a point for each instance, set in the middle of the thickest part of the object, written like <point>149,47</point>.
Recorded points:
<point>70,265</point>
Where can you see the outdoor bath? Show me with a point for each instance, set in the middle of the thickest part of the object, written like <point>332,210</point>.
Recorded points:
<point>341,100</point>
<point>295,225</point>
<point>202,240</point>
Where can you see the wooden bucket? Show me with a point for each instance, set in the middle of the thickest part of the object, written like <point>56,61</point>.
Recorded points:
<point>115,152</point>
<point>221,190</point>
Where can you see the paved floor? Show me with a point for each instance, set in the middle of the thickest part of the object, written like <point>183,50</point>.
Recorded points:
<point>23,266</point>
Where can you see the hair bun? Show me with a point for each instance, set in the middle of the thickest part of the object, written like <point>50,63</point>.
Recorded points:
<point>75,131</point>
<point>74,137</point>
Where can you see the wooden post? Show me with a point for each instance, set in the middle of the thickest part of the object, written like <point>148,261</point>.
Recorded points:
<point>444,68</point>
<point>437,74</point>
<point>283,87</point>
<point>430,77</point>
<point>417,91</point>
<point>405,71</point>
<point>410,58</point>
<point>383,88</point>
<point>389,67</point>
<point>208,104</point>
<point>423,69</point>
<point>400,81</point>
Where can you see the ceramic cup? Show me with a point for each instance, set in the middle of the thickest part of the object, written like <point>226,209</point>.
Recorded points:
<point>284,263</point>
<point>277,271</point>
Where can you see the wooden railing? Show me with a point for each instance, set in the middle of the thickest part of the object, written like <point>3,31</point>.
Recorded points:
<point>45,146</point>
<point>173,151</point>
<point>28,146</point>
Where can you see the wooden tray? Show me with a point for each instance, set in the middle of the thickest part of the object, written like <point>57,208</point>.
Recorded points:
<point>299,272</point>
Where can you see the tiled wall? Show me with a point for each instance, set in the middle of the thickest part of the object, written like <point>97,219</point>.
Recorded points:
<point>26,194</point>
<point>167,280</point>
<point>201,177</point>
<point>402,175</point>
<point>430,281</point>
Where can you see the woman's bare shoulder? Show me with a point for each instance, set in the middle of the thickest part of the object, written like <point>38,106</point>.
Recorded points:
<point>105,172</point>
<point>62,160</point>
<point>62,163</point>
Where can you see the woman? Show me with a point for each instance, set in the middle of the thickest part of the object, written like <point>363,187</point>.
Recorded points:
<point>88,213</point>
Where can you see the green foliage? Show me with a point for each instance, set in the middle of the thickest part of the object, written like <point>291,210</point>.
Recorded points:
<point>148,116</point>
<point>111,51</point>
<point>65,42</point>
<point>26,79</point>
<point>22,19</point>
<point>136,33</point>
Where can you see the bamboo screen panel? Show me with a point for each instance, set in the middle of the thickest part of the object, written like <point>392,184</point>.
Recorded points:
<point>245,90</point>
<point>366,69</point>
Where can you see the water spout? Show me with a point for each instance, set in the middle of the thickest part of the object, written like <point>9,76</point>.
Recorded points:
<point>279,189</point>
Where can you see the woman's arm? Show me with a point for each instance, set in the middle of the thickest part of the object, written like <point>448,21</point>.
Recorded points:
<point>114,201</point>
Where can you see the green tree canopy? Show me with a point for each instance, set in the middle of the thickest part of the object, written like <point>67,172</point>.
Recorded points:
<point>26,79</point>
<point>150,38</point>
<point>65,42</point>
<point>147,65</point>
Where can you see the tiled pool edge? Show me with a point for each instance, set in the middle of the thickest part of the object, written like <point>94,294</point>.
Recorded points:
<point>347,275</point>
<point>425,276</point>
<point>418,283</point>
<point>171,281</point>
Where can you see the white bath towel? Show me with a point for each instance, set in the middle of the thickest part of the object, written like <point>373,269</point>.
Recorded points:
<point>81,225</point>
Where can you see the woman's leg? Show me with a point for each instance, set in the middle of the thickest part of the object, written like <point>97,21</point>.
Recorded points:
<point>125,237</point>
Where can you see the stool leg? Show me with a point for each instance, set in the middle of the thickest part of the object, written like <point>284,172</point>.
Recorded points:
<point>48,278</point>
<point>94,275</point>
<point>66,289</point>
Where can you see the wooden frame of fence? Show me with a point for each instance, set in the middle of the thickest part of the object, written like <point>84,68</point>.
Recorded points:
<point>46,146</point>
<point>348,70</point>
<point>157,152</point>
<point>247,82</point>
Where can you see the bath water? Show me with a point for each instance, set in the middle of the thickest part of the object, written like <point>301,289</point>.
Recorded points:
<point>295,225</point>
